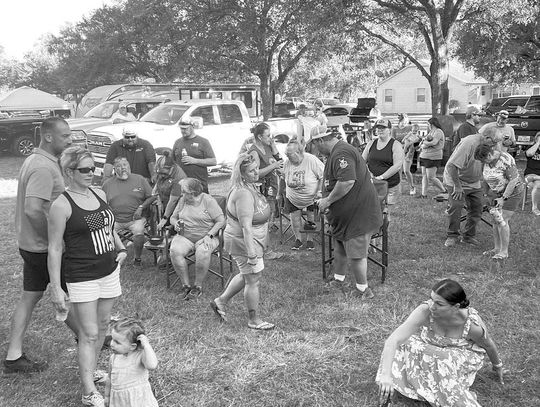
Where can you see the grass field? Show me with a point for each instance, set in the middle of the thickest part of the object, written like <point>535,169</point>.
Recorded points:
<point>326,348</point>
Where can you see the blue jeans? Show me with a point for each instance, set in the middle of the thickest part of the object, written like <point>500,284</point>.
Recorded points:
<point>474,198</point>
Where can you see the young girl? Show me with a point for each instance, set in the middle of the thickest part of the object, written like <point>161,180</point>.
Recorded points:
<point>408,148</point>
<point>132,358</point>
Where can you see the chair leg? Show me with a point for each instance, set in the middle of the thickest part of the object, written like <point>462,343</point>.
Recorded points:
<point>524,197</point>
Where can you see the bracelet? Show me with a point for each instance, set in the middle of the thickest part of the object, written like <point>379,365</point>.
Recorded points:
<point>121,251</point>
<point>498,365</point>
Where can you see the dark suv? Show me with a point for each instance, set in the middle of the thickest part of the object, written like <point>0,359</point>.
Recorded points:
<point>513,103</point>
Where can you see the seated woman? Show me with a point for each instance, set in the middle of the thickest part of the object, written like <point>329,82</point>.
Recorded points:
<point>435,354</point>
<point>202,219</point>
<point>506,189</point>
<point>532,173</point>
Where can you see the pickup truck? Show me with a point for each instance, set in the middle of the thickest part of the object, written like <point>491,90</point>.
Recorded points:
<point>525,125</point>
<point>18,133</point>
<point>225,123</point>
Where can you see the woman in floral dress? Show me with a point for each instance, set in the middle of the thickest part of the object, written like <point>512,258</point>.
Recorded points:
<point>435,354</point>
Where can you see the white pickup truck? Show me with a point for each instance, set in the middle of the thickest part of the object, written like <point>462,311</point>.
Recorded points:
<point>226,124</point>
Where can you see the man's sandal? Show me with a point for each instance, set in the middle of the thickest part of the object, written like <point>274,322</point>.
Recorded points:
<point>218,311</point>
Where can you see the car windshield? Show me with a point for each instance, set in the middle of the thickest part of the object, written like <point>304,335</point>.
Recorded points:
<point>103,110</point>
<point>330,102</point>
<point>165,114</point>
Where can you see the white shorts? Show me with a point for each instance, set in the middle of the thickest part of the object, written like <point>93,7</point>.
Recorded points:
<point>245,268</point>
<point>104,287</point>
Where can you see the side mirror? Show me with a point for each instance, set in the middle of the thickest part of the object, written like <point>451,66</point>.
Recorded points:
<point>197,122</point>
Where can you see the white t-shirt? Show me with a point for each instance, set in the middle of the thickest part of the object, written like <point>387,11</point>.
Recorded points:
<point>128,117</point>
<point>302,180</point>
<point>509,134</point>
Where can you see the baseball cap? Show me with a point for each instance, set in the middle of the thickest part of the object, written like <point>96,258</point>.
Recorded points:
<point>383,123</point>
<point>503,113</point>
<point>186,123</point>
<point>473,110</point>
<point>319,131</point>
<point>128,132</point>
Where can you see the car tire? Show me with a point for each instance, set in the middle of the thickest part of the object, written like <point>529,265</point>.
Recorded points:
<point>23,146</point>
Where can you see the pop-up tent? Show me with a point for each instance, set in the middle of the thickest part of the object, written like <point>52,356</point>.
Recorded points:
<point>26,98</point>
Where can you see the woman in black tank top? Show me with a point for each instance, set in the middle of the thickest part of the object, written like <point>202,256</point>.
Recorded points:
<point>82,221</point>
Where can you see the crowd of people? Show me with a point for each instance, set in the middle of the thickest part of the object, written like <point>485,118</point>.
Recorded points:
<point>69,235</point>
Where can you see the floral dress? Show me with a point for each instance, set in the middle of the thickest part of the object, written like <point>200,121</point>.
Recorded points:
<point>438,369</point>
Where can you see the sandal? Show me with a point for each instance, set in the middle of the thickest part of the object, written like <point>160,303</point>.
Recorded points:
<point>490,253</point>
<point>263,326</point>
<point>499,256</point>
<point>218,311</point>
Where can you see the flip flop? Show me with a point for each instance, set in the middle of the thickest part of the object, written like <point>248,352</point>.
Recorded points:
<point>499,256</point>
<point>263,326</point>
<point>489,252</point>
<point>218,311</point>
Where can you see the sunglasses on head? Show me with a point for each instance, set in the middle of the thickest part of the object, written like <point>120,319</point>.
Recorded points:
<point>86,170</point>
<point>248,160</point>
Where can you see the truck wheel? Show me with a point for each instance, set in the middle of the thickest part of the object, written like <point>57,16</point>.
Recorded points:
<point>23,146</point>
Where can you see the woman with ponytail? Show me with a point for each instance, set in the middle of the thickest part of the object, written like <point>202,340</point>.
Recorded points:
<point>435,354</point>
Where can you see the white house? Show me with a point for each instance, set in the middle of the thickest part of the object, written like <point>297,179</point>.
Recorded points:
<point>407,91</point>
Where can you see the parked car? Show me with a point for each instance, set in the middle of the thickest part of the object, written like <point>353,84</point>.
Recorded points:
<point>338,115</point>
<point>284,109</point>
<point>327,102</point>
<point>519,103</point>
<point>225,123</point>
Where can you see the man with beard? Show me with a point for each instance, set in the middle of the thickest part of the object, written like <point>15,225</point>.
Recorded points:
<point>129,195</point>
<point>472,118</point>
<point>139,154</point>
<point>501,124</point>
<point>40,183</point>
<point>194,153</point>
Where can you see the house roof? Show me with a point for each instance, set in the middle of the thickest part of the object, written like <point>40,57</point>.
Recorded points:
<point>32,99</point>
<point>455,70</point>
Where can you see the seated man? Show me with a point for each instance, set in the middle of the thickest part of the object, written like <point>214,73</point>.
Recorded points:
<point>303,173</point>
<point>122,115</point>
<point>129,195</point>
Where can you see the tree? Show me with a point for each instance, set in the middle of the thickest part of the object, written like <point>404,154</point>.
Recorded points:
<point>503,45</point>
<point>264,38</point>
<point>431,23</point>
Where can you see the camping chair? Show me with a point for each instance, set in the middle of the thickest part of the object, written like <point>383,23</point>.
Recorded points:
<point>224,260</point>
<point>379,254</point>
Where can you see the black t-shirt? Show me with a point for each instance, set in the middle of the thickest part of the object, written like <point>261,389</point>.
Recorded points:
<point>138,157</point>
<point>197,147</point>
<point>466,129</point>
<point>533,164</point>
<point>359,212</point>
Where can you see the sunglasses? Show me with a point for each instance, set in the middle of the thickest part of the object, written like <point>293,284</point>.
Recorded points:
<point>86,170</point>
<point>130,137</point>
<point>248,160</point>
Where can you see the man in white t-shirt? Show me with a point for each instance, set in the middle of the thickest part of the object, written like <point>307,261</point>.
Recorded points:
<point>509,137</point>
<point>122,115</point>
<point>303,174</point>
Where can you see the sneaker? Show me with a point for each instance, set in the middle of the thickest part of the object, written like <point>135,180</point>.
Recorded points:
<point>310,245</point>
<point>24,365</point>
<point>94,399</point>
<point>536,211</point>
<point>441,197</point>
<point>451,241</point>
<point>137,262</point>
<point>100,376</point>
<point>338,285</point>
<point>310,225</point>
<point>367,294</point>
<point>297,245</point>
<point>470,240</point>
<point>184,292</point>
<point>412,192</point>
<point>194,293</point>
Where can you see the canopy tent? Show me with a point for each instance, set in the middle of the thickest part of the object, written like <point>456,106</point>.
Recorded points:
<point>26,98</point>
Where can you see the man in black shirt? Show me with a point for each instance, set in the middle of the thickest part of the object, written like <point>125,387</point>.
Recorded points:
<point>472,118</point>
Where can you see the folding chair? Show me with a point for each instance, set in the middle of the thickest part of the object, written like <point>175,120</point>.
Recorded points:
<point>381,235</point>
<point>224,260</point>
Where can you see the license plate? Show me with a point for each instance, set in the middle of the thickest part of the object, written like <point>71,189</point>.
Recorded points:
<point>523,138</point>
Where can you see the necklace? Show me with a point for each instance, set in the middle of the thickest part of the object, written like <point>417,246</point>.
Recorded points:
<point>85,194</point>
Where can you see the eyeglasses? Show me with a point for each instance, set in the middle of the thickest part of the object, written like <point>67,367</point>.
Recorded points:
<point>86,170</point>
<point>130,137</point>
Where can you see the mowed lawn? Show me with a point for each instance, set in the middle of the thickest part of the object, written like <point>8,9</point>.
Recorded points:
<point>326,348</point>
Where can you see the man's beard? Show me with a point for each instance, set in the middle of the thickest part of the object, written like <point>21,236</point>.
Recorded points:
<point>123,175</point>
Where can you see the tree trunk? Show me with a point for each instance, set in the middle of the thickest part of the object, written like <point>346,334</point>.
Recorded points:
<point>439,80</point>
<point>266,96</point>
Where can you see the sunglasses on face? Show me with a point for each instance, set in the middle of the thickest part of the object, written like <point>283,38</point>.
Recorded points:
<point>86,170</point>
<point>130,137</point>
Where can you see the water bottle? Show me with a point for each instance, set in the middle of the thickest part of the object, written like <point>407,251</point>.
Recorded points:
<point>184,152</point>
<point>61,315</point>
<point>497,216</point>
<point>180,227</point>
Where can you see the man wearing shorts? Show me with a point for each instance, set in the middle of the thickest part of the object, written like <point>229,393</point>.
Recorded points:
<point>40,183</point>
<point>303,174</point>
<point>352,209</point>
<point>129,195</point>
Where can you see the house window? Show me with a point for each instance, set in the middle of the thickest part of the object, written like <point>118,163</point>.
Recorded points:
<point>483,90</point>
<point>421,95</point>
<point>536,90</point>
<point>388,95</point>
